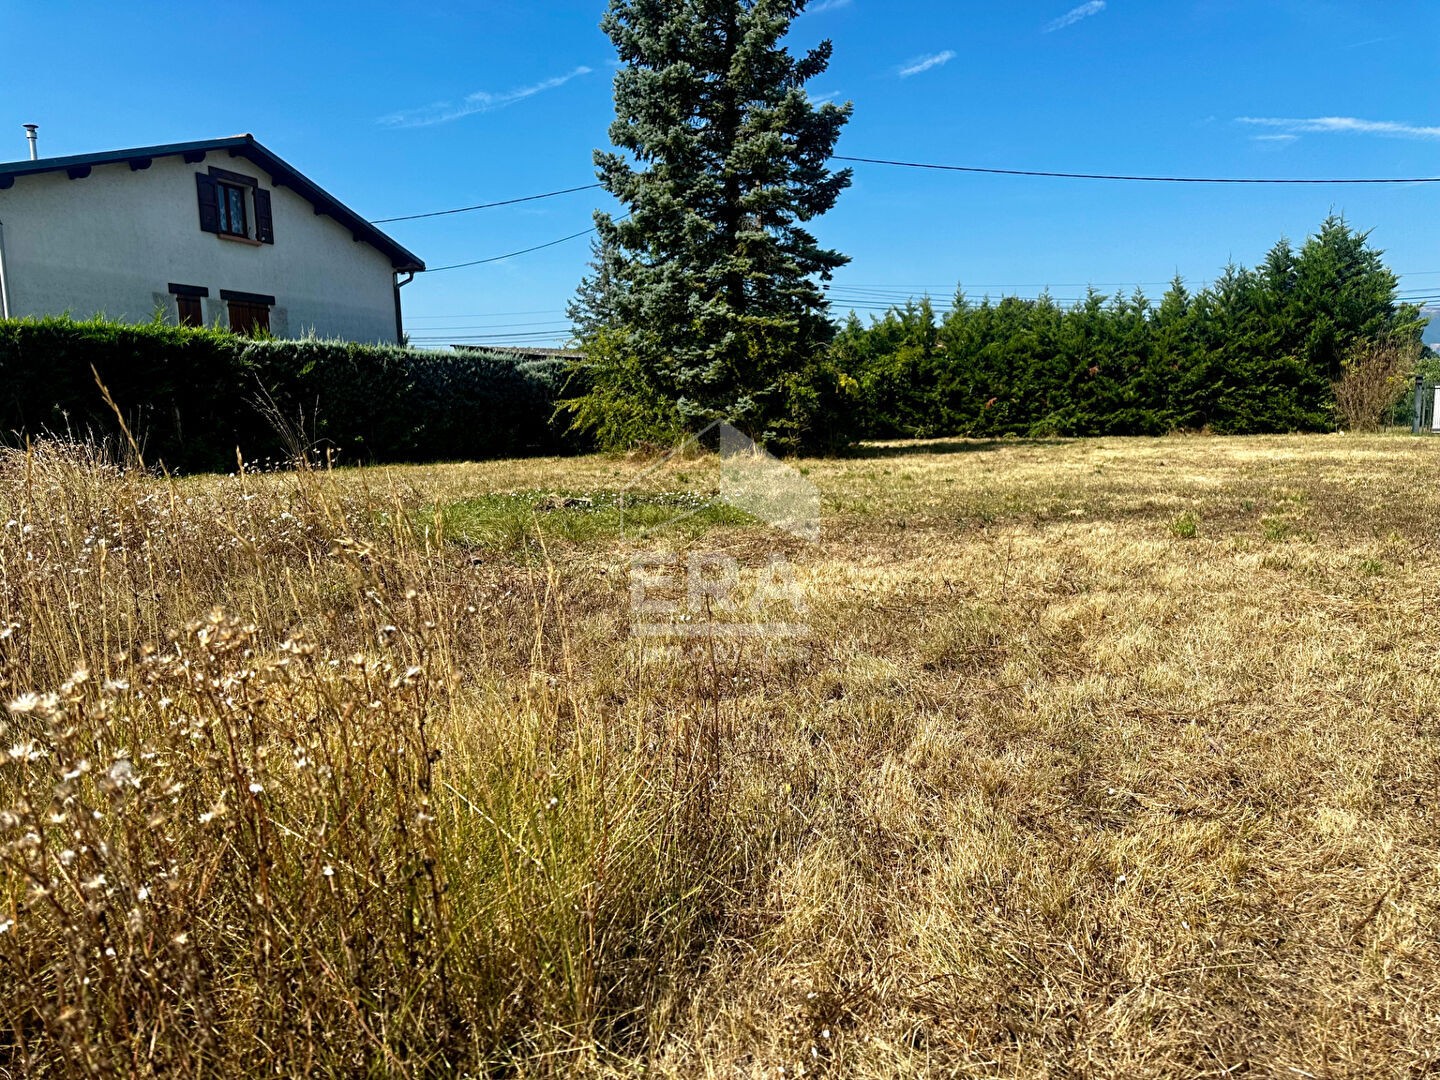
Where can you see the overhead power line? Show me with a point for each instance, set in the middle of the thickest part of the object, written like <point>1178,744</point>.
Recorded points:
<point>512,254</point>
<point>485,206</point>
<point>1139,179</point>
<point>981,170</point>
<point>931,166</point>
<point>522,251</point>
<point>491,326</point>
<point>493,314</point>
<point>456,339</point>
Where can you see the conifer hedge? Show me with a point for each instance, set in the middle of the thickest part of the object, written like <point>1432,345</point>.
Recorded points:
<point>192,396</point>
<point>1257,351</point>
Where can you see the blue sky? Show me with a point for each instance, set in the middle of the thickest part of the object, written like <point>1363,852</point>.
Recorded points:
<point>404,108</point>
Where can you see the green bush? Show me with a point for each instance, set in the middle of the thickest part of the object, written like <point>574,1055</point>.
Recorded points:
<point>192,396</point>
<point>1257,351</point>
<point>624,394</point>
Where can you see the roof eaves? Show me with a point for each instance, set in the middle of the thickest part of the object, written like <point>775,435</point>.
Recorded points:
<point>281,172</point>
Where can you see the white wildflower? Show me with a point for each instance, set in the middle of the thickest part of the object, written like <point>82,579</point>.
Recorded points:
<point>27,751</point>
<point>122,773</point>
<point>25,704</point>
<point>81,768</point>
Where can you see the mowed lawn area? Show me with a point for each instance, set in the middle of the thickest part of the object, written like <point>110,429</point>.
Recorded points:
<point>1111,757</point>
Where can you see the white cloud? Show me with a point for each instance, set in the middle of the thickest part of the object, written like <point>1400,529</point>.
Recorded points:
<point>1074,15</point>
<point>1368,42</point>
<point>481,101</point>
<point>1274,144</point>
<point>1342,125</point>
<point>828,5</point>
<point>925,63</point>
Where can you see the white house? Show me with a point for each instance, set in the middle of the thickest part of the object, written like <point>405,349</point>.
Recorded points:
<point>215,232</point>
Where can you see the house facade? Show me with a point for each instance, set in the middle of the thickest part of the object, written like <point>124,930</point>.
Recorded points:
<point>219,232</point>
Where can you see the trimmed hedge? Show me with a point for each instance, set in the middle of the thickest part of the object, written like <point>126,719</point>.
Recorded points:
<point>191,396</point>
<point>1257,351</point>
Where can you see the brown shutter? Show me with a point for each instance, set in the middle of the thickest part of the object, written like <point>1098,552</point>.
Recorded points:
<point>209,198</point>
<point>264,222</point>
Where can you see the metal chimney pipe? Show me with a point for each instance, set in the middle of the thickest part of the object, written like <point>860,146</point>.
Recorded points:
<point>30,130</point>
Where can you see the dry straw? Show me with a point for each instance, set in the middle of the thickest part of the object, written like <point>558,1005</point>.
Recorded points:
<point>303,774</point>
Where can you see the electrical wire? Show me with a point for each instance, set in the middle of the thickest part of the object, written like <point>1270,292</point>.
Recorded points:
<point>485,206</point>
<point>522,251</point>
<point>494,326</point>
<point>872,297</point>
<point>967,169</point>
<point>494,314</point>
<point>1138,179</point>
<point>510,255</point>
<point>971,169</point>
<point>448,339</point>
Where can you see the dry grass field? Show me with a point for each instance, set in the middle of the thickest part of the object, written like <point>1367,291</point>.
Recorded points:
<point>1098,758</point>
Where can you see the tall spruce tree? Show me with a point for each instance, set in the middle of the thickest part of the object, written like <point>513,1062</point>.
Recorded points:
<point>705,300</point>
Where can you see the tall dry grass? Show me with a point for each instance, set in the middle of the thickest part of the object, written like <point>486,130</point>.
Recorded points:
<point>298,780</point>
<point>347,819</point>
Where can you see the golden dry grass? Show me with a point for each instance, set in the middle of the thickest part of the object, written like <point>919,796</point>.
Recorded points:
<point>1103,758</point>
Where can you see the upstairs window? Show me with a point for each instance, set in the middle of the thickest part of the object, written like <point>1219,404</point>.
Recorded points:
<point>233,219</point>
<point>234,205</point>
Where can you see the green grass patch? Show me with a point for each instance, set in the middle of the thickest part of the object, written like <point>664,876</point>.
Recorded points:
<point>1277,529</point>
<point>1185,527</point>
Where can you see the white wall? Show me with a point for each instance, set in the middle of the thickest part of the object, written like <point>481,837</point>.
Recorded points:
<point>112,242</point>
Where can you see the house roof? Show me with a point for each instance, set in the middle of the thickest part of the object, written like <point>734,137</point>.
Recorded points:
<point>281,172</point>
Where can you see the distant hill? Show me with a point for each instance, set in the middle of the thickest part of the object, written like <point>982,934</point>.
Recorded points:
<point>1432,332</point>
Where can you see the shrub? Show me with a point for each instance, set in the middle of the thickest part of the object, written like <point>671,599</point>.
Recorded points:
<point>193,396</point>
<point>1374,376</point>
<point>621,404</point>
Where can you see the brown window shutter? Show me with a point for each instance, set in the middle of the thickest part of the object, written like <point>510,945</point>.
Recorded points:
<point>209,200</point>
<point>249,319</point>
<point>264,221</point>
